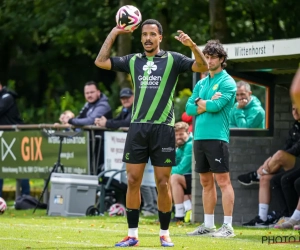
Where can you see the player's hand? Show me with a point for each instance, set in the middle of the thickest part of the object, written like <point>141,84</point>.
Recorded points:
<point>216,96</point>
<point>184,39</point>
<point>242,103</point>
<point>117,30</point>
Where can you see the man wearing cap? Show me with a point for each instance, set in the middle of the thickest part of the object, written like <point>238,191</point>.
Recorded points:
<point>123,119</point>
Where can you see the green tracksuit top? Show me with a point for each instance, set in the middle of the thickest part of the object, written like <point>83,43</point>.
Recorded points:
<point>251,116</point>
<point>184,158</point>
<point>213,124</point>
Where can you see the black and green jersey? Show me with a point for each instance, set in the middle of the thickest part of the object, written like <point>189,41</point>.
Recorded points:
<point>154,80</point>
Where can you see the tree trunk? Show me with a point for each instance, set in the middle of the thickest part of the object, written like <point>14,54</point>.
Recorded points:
<point>124,48</point>
<point>218,23</point>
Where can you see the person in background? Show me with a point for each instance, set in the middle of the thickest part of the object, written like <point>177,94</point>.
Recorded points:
<point>247,111</point>
<point>181,174</point>
<point>276,175</point>
<point>123,119</point>
<point>96,105</point>
<point>295,89</point>
<point>211,138</point>
<point>10,115</point>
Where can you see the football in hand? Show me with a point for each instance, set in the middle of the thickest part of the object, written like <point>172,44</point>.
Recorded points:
<point>128,17</point>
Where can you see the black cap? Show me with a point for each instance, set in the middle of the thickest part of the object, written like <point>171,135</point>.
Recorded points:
<point>126,92</point>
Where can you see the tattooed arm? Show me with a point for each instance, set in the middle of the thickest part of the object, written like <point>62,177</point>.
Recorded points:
<point>200,64</point>
<point>103,58</point>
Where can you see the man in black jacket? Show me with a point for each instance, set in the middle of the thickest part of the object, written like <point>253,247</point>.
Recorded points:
<point>277,174</point>
<point>124,118</point>
<point>9,115</point>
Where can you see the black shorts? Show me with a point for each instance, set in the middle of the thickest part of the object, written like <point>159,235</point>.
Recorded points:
<point>145,140</point>
<point>211,156</point>
<point>188,181</point>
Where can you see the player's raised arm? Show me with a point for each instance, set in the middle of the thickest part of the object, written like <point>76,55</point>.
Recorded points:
<point>102,60</point>
<point>200,64</point>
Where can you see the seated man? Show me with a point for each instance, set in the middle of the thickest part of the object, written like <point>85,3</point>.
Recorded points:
<point>96,106</point>
<point>124,118</point>
<point>181,175</point>
<point>282,158</point>
<point>247,112</point>
<point>285,159</point>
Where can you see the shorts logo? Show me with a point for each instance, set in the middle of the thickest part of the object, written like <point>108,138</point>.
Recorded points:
<point>167,150</point>
<point>168,161</point>
<point>127,156</point>
<point>218,160</point>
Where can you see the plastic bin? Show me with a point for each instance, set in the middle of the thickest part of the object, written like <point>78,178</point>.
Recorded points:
<point>71,194</point>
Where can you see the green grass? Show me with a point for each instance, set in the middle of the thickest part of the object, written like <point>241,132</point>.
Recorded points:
<point>34,183</point>
<point>25,230</point>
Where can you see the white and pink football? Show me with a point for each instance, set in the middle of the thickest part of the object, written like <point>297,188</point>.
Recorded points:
<point>128,17</point>
<point>3,206</point>
<point>117,209</point>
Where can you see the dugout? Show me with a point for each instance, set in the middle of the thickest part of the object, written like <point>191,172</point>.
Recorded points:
<point>269,67</point>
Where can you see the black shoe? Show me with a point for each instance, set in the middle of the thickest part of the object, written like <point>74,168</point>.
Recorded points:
<point>256,222</point>
<point>177,219</point>
<point>248,179</point>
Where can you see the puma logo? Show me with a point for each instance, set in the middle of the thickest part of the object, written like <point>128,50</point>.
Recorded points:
<point>218,160</point>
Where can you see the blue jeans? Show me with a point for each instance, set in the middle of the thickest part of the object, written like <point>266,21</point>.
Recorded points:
<point>24,185</point>
<point>149,195</point>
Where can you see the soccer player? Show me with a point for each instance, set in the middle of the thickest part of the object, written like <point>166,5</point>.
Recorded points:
<point>210,103</point>
<point>151,134</point>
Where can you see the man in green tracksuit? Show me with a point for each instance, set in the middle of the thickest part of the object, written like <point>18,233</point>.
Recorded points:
<point>181,174</point>
<point>247,111</point>
<point>211,103</point>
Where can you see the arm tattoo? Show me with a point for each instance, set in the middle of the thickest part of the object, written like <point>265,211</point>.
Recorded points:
<point>199,57</point>
<point>104,53</point>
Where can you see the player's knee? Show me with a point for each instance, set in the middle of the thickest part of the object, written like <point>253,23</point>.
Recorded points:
<point>133,181</point>
<point>162,185</point>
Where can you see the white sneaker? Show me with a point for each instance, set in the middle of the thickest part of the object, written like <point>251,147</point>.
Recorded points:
<point>202,231</point>
<point>225,231</point>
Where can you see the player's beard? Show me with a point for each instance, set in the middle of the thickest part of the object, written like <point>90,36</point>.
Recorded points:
<point>150,50</point>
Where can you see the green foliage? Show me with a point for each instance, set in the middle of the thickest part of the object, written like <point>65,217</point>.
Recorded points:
<point>180,102</point>
<point>48,47</point>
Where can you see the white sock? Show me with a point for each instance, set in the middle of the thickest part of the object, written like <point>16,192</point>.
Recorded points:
<point>263,211</point>
<point>228,220</point>
<point>209,220</point>
<point>164,232</point>
<point>179,210</point>
<point>187,205</point>
<point>133,232</point>
<point>296,215</point>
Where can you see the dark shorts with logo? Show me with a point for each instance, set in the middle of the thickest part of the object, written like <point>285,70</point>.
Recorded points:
<point>211,156</point>
<point>145,140</point>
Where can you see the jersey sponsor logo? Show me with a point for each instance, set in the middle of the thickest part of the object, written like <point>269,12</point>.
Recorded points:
<point>149,66</point>
<point>167,150</point>
<point>149,81</point>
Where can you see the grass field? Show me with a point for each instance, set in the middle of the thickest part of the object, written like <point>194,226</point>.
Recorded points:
<point>25,230</point>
